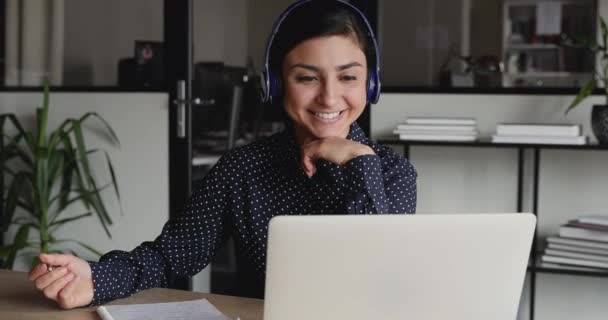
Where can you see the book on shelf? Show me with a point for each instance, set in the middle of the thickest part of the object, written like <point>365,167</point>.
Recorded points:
<point>594,219</point>
<point>568,267</point>
<point>558,246</point>
<point>446,137</point>
<point>577,255</point>
<point>441,120</point>
<point>582,233</point>
<point>580,140</point>
<point>436,127</point>
<point>574,261</point>
<point>577,242</point>
<point>538,129</point>
<point>185,310</point>
<point>590,226</point>
<point>436,132</point>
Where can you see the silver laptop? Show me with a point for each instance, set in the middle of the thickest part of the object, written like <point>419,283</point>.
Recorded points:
<point>423,266</point>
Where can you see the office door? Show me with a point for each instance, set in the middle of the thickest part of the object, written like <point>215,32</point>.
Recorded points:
<point>198,46</point>
<point>178,59</point>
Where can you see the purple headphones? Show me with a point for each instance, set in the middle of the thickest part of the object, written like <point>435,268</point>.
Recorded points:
<point>270,79</point>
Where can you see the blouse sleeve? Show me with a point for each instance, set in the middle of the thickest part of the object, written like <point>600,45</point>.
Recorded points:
<point>185,246</point>
<point>384,183</point>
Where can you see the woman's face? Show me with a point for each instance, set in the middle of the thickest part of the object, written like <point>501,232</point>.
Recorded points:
<point>325,86</point>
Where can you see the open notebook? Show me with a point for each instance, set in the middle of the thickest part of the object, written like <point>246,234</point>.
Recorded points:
<point>182,310</point>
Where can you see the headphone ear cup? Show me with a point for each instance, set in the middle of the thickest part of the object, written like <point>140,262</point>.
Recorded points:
<point>278,88</point>
<point>371,88</point>
<point>275,87</point>
<point>264,84</point>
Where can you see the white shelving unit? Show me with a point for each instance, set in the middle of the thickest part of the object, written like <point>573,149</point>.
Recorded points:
<point>531,59</point>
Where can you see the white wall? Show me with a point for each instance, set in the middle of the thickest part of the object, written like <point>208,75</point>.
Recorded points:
<point>484,179</point>
<point>141,162</point>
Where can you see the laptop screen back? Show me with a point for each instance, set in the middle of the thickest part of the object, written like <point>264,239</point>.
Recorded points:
<point>424,266</point>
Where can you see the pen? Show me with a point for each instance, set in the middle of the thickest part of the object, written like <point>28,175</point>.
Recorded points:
<point>50,268</point>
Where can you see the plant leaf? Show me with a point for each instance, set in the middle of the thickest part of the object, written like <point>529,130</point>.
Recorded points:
<point>43,114</point>
<point>585,91</point>
<point>65,220</point>
<point>41,184</point>
<point>81,151</point>
<point>55,166</point>
<point>113,175</point>
<point>95,199</point>
<point>5,251</point>
<point>12,198</point>
<point>19,242</point>
<point>88,247</point>
<point>604,32</point>
<point>14,149</point>
<point>93,250</point>
<point>108,127</point>
<point>13,119</point>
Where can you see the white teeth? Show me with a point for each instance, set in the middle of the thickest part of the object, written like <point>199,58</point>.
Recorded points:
<point>327,115</point>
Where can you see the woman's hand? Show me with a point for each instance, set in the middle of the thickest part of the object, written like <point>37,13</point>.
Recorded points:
<point>333,149</point>
<point>68,281</point>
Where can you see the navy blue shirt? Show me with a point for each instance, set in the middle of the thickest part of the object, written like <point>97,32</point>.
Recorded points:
<point>240,195</point>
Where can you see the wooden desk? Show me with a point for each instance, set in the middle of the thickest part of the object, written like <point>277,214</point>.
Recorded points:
<point>19,299</point>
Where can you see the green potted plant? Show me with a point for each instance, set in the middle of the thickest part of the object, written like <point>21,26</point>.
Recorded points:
<point>599,113</point>
<point>45,173</point>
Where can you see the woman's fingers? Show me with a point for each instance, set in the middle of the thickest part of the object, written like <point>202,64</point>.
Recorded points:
<point>45,280</point>
<point>37,271</point>
<point>53,289</point>
<point>55,259</point>
<point>309,155</point>
<point>309,166</point>
<point>66,297</point>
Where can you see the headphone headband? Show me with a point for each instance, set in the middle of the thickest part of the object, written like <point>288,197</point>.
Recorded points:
<point>270,81</point>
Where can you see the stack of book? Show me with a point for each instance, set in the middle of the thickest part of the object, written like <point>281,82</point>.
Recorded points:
<point>539,133</point>
<point>437,129</point>
<point>581,243</point>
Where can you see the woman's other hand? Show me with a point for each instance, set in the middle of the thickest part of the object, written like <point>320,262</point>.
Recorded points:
<point>333,149</point>
<point>64,278</point>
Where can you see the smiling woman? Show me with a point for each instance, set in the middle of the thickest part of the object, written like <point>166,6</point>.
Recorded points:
<point>321,66</point>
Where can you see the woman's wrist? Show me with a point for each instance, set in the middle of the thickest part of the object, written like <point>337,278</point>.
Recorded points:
<point>361,151</point>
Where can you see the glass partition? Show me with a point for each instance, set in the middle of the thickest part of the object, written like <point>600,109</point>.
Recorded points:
<point>83,43</point>
<point>486,43</point>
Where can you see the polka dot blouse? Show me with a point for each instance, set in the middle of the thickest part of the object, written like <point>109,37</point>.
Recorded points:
<point>246,188</point>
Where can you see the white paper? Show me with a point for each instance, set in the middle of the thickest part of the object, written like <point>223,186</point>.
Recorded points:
<point>548,18</point>
<point>183,310</point>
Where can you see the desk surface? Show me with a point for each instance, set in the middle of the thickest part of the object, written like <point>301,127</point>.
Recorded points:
<point>19,299</point>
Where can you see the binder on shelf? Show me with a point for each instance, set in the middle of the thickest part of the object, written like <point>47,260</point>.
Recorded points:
<point>582,233</point>
<point>565,247</point>
<point>589,226</point>
<point>576,255</point>
<point>577,242</point>
<point>537,129</point>
<point>441,121</point>
<point>594,219</point>
<point>575,262</point>
<point>437,132</point>
<point>436,127</point>
<point>568,267</point>
<point>448,137</point>
<point>580,140</point>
